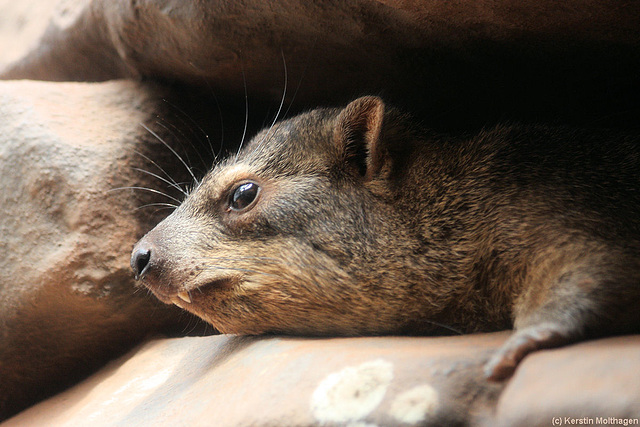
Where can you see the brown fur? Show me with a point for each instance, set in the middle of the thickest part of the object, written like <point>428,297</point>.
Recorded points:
<point>366,224</point>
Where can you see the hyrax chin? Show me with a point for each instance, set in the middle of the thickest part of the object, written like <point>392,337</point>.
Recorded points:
<point>354,221</point>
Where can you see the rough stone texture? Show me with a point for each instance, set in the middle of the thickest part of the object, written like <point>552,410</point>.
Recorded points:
<point>237,381</point>
<point>457,61</point>
<point>22,25</point>
<point>586,381</point>
<point>67,297</point>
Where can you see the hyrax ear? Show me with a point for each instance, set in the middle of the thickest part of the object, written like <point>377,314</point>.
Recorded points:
<point>357,135</point>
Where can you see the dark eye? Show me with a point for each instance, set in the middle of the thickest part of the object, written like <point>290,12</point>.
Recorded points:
<point>243,196</point>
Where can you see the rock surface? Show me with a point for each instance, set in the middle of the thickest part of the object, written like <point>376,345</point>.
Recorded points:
<point>67,296</point>
<point>593,381</point>
<point>233,381</point>
<point>238,381</point>
<point>457,62</point>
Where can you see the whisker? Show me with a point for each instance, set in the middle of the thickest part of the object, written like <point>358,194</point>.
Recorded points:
<point>304,72</point>
<point>166,205</point>
<point>173,151</point>
<point>155,211</point>
<point>184,114</point>
<point>191,326</point>
<point>215,98</point>
<point>284,95</point>
<point>442,325</point>
<point>173,132</point>
<point>284,90</point>
<point>217,155</point>
<point>151,190</point>
<point>163,171</point>
<point>246,111</point>
<point>174,185</point>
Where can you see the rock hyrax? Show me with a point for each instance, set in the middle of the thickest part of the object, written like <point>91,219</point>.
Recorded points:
<point>355,221</point>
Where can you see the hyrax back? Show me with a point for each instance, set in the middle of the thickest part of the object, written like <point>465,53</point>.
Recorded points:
<point>355,221</point>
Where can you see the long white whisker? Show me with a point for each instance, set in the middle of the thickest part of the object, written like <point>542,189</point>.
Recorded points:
<point>215,98</point>
<point>284,95</point>
<point>151,190</point>
<point>173,131</point>
<point>166,205</point>
<point>304,72</point>
<point>174,185</point>
<point>173,151</point>
<point>184,114</point>
<point>217,155</point>
<point>442,325</point>
<point>246,111</point>
<point>161,170</point>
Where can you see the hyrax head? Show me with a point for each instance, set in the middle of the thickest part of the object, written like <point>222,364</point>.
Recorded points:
<point>291,236</point>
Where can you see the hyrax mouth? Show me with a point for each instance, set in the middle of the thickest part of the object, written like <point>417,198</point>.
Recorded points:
<point>192,296</point>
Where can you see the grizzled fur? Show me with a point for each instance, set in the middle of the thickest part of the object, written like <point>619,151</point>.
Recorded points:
<point>366,224</point>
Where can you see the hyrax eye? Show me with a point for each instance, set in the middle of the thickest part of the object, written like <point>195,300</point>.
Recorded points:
<point>243,196</point>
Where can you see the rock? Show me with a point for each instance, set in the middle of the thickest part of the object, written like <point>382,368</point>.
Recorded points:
<point>22,25</point>
<point>67,296</point>
<point>236,381</point>
<point>457,63</point>
<point>589,383</point>
<point>385,381</point>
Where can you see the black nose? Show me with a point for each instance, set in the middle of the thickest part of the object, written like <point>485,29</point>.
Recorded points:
<point>140,262</point>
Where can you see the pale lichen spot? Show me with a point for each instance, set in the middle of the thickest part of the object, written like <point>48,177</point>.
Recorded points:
<point>352,393</point>
<point>415,405</point>
<point>83,288</point>
<point>91,290</point>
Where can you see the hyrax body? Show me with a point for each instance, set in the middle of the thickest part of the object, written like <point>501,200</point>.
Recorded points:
<point>355,222</point>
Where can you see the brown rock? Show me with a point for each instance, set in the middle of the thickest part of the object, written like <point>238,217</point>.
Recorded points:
<point>67,297</point>
<point>236,381</point>
<point>22,25</point>
<point>456,62</point>
<point>386,381</point>
<point>586,383</point>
